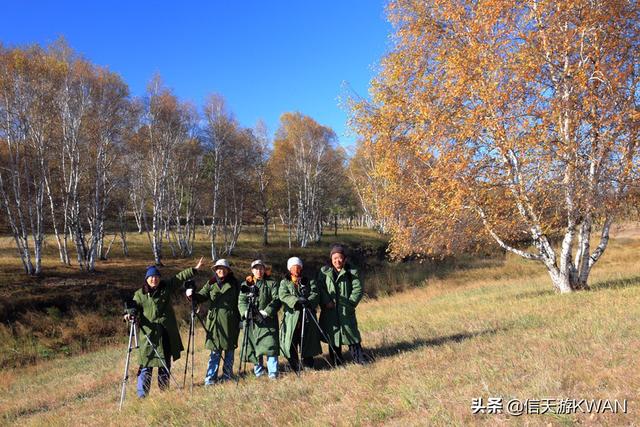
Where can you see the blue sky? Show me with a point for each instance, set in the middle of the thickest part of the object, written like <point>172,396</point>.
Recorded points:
<point>264,57</point>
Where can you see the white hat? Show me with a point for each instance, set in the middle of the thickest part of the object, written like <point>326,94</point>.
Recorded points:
<point>257,262</point>
<point>293,261</point>
<point>221,263</point>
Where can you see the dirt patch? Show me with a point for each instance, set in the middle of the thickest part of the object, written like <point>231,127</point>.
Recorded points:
<point>64,294</point>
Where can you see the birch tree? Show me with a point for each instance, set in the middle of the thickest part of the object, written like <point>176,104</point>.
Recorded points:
<point>26,99</point>
<point>184,181</point>
<point>262,202</point>
<point>303,157</point>
<point>219,128</point>
<point>162,131</point>
<point>108,122</point>
<point>517,117</point>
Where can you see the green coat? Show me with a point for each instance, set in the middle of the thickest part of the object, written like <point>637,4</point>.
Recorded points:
<point>223,317</point>
<point>339,323</point>
<point>263,338</point>
<point>288,294</point>
<point>157,319</point>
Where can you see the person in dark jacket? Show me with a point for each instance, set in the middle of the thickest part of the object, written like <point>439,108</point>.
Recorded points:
<point>223,319</point>
<point>298,293</point>
<point>263,334</point>
<point>154,314</point>
<point>341,289</point>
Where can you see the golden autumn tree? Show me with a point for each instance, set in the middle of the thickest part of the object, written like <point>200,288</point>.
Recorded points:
<point>514,121</point>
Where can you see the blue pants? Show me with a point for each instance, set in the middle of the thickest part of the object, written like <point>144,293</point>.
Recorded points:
<point>144,379</point>
<point>214,363</point>
<point>272,366</point>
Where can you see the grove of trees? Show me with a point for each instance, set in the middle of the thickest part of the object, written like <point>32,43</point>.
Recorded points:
<point>80,158</point>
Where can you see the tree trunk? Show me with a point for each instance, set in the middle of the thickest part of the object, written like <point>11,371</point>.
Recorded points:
<point>265,229</point>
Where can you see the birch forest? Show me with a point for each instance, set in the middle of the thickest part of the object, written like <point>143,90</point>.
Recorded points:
<point>83,163</point>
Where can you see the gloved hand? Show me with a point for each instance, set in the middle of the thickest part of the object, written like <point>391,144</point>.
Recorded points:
<point>129,317</point>
<point>263,313</point>
<point>301,303</point>
<point>188,293</point>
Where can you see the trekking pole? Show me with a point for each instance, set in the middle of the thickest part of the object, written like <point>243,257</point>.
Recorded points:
<point>300,358</point>
<point>331,347</point>
<point>193,342</point>
<point>190,348</point>
<point>190,284</point>
<point>125,379</point>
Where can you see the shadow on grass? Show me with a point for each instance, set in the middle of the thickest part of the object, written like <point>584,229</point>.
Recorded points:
<point>532,294</point>
<point>621,283</point>
<point>393,349</point>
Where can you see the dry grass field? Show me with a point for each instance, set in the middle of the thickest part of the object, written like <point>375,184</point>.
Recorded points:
<point>483,328</point>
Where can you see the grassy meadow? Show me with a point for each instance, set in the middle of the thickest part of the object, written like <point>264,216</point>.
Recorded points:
<point>474,327</point>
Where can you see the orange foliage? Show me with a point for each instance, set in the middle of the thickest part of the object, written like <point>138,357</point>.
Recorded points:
<point>516,118</point>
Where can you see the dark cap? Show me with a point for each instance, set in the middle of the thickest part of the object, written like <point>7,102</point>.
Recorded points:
<point>337,249</point>
<point>152,271</point>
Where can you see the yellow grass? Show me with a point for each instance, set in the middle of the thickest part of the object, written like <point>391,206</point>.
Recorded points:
<point>489,331</point>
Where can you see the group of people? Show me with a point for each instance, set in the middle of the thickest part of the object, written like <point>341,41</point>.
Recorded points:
<point>336,290</point>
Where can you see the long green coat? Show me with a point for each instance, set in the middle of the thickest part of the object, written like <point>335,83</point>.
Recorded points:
<point>223,317</point>
<point>263,336</point>
<point>288,293</point>
<point>340,323</point>
<point>157,319</point>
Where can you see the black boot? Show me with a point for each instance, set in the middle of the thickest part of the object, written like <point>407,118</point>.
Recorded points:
<point>356,353</point>
<point>294,359</point>
<point>308,362</point>
<point>335,357</point>
<point>295,364</point>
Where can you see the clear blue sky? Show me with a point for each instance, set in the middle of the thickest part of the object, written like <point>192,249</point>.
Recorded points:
<point>264,57</point>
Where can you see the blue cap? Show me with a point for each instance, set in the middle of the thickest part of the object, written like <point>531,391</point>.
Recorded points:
<point>152,271</point>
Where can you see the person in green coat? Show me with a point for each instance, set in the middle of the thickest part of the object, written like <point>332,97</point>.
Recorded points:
<point>259,293</point>
<point>152,311</point>
<point>341,290</point>
<point>298,295</point>
<point>223,319</point>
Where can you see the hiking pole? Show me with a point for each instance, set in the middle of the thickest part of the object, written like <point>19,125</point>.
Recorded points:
<point>243,350</point>
<point>331,347</point>
<point>193,341</point>
<point>132,338</point>
<point>164,365</point>
<point>190,348</point>
<point>300,358</point>
<point>190,284</point>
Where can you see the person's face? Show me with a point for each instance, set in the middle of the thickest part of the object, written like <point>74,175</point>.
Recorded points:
<point>221,272</point>
<point>295,270</point>
<point>258,271</point>
<point>337,260</point>
<point>153,281</point>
